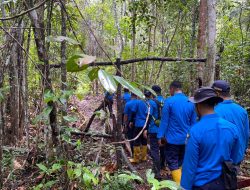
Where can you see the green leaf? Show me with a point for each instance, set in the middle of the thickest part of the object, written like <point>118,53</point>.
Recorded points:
<point>78,172</point>
<point>56,167</point>
<point>43,168</point>
<point>72,65</point>
<point>49,184</point>
<point>169,184</point>
<point>70,118</point>
<point>61,39</point>
<point>47,111</point>
<point>129,86</point>
<point>93,74</point>
<point>70,173</point>
<point>147,88</point>
<point>107,81</point>
<point>49,97</point>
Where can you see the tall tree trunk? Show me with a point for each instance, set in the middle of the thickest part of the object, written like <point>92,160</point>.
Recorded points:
<point>1,125</point>
<point>211,51</point>
<point>63,55</point>
<point>133,22</point>
<point>37,21</point>
<point>201,43</point>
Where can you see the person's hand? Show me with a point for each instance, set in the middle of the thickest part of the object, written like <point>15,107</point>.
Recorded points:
<point>162,141</point>
<point>145,134</point>
<point>131,125</point>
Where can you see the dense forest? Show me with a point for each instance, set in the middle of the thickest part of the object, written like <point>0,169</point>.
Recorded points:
<point>59,57</point>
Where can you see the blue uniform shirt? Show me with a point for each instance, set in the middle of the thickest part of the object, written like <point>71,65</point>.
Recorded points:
<point>212,140</point>
<point>140,110</point>
<point>237,115</point>
<point>161,99</point>
<point>129,107</point>
<point>109,96</point>
<point>178,115</point>
<point>154,113</point>
<point>126,97</point>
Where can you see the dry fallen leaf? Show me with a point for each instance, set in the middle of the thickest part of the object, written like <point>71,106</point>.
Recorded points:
<point>17,165</point>
<point>86,60</point>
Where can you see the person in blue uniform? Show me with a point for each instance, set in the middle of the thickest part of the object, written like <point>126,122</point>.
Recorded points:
<point>152,130</point>
<point>109,100</point>
<point>139,116</point>
<point>178,115</point>
<point>128,111</point>
<point>234,113</point>
<point>159,99</point>
<point>126,96</point>
<point>211,142</point>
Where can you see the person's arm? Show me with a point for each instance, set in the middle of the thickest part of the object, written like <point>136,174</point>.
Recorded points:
<point>235,156</point>
<point>164,120</point>
<point>247,131</point>
<point>190,163</point>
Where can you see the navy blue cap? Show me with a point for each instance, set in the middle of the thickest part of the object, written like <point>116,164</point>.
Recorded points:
<point>156,88</point>
<point>221,85</point>
<point>147,93</point>
<point>203,94</point>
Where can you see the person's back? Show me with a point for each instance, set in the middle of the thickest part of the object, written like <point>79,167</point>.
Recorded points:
<point>234,113</point>
<point>180,117</point>
<point>140,113</point>
<point>153,128</point>
<point>237,115</point>
<point>212,142</point>
<point>129,107</point>
<point>215,139</point>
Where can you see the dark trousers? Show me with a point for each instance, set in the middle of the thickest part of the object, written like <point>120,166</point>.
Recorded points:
<point>162,157</point>
<point>154,152</point>
<point>174,155</point>
<point>216,184</point>
<point>130,135</point>
<point>141,140</point>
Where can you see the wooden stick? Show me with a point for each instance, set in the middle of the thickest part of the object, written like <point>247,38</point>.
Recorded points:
<point>91,134</point>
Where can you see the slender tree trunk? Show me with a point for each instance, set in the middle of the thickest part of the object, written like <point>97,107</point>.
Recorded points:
<point>39,35</point>
<point>1,125</point>
<point>201,43</point>
<point>63,56</point>
<point>133,67</point>
<point>118,127</point>
<point>211,51</point>
<point>25,90</point>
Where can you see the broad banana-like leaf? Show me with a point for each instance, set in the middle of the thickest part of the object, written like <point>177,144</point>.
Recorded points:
<point>147,88</point>
<point>107,81</point>
<point>129,86</point>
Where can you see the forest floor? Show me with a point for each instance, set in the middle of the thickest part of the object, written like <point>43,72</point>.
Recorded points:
<point>24,174</point>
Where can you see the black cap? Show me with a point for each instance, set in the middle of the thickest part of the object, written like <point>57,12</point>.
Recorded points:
<point>221,85</point>
<point>147,93</point>
<point>203,94</point>
<point>156,88</point>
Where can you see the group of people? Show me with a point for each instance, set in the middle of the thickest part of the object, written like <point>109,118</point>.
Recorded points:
<point>202,139</point>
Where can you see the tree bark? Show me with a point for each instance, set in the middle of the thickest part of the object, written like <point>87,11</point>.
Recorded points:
<point>201,43</point>
<point>211,51</point>
<point>37,22</point>
<point>118,127</point>
<point>63,56</point>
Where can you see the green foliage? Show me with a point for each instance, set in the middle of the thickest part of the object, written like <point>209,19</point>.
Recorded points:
<point>72,63</point>
<point>3,92</point>
<point>107,81</point>
<point>157,185</point>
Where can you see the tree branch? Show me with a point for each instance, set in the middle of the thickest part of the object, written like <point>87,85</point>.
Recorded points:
<point>25,12</point>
